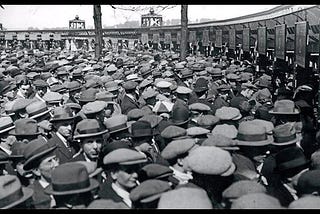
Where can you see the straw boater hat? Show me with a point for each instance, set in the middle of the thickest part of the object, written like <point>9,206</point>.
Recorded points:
<point>284,107</point>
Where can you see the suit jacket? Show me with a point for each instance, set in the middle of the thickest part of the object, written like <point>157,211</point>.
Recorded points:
<point>62,152</point>
<point>279,191</point>
<point>107,192</point>
<point>41,200</point>
<point>128,104</point>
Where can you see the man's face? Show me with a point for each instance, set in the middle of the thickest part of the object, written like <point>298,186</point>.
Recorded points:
<point>47,165</point>
<point>65,128</point>
<point>24,89</point>
<point>92,146</point>
<point>127,176</point>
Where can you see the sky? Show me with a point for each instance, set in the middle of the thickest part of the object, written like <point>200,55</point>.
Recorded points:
<point>14,17</point>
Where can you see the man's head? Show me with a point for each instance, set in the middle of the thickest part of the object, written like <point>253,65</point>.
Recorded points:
<point>63,121</point>
<point>92,146</point>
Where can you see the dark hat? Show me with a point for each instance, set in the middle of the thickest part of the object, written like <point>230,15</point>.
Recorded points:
<point>12,193</point>
<point>219,159</point>
<point>185,198</point>
<point>252,134</point>
<point>62,114</point>
<point>37,109</point>
<point>308,182</point>
<point>243,187</point>
<point>25,127</point>
<point>186,73</point>
<point>285,134</point>
<point>256,201</point>
<point>180,114</point>
<point>88,95</point>
<point>58,88</point>
<point>73,86</point>
<point>306,202</point>
<point>284,107</point>
<point>21,103</point>
<point>201,85</point>
<point>40,83</point>
<point>154,120</point>
<point>177,147</point>
<point>135,114</point>
<point>220,141</point>
<point>289,159</point>
<point>88,128</point>
<point>116,123</point>
<point>124,156</point>
<point>116,144</point>
<point>141,129</point>
<point>52,97</point>
<point>6,124</point>
<point>149,190</point>
<point>70,178</point>
<point>34,151</point>
<point>154,171</point>
<point>172,131</point>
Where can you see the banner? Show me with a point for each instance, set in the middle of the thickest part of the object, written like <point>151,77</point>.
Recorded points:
<point>232,39</point>
<point>167,38</point>
<point>192,37</point>
<point>246,39</point>
<point>144,38</point>
<point>262,40</point>
<point>178,37</point>
<point>33,36</point>
<point>8,36</point>
<point>280,41</point>
<point>205,38</point>
<point>301,36</point>
<point>218,42</point>
<point>21,36</point>
<point>45,36</point>
<point>57,36</point>
<point>156,38</point>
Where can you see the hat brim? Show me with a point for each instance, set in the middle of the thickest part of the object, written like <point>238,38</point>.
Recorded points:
<point>93,184</point>
<point>133,162</point>
<point>296,111</point>
<point>39,115</point>
<point>90,135</point>
<point>298,138</point>
<point>7,129</point>
<point>62,119</point>
<point>13,132</point>
<point>118,130</point>
<point>229,171</point>
<point>180,123</point>
<point>268,141</point>
<point>151,198</point>
<point>27,193</point>
<point>28,164</point>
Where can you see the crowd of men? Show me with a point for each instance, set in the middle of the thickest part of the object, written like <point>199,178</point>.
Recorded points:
<point>143,129</point>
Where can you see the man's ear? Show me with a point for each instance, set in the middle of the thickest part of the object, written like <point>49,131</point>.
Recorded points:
<point>36,172</point>
<point>180,162</point>
<point>114,175</point>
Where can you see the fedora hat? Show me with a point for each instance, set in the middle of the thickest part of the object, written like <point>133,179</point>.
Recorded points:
<point>6,124</point>
<point>35,150</point>
<point>141,129</point>
<point>88,128</point>
<point>180,114</point>
<point>285,134</point>
<point>37,109</point>
<point>289,159</point>
<point>25,127</point>
<point>70,178</point>
<point>62,114</point>
<point>286,107</point>
<point>251,133</point>
<point>12,193</point>
<point>116,123</point>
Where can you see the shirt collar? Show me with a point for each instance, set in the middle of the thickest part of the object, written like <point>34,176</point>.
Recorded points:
<point>7,151</point>
<point>181,176</point>
<point>123,194</point>
<point>64,141</point>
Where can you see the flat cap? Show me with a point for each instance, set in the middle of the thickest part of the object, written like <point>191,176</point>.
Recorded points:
<point>154,120</point>
<point>306,202</point>
<point>135,114</point>
<point>229,131</point>
<point>267,124</point>
<point>228,113</point>
<point>210,160</point>
<point>154,171</point>
<point>183,90</point>
<point>177,147</point>
<point>130,85</point>
<point>163,84</point>
<point>145,83</point>
<point>148,93</point>
<point>308,182</point>
<point>195,131</point>
<point>243,187</point>
<point>185,198</point>
<point>207,120</point>
<point>149,190</point>
<point>220,141</point>
<point>93,107</point>
<point>124,156</point>
<point>40,83</point>
<point>199,107</point>
<point>106,204</point>
<point>21,103</point>
<point>256,201</point>
<point>173,132</point>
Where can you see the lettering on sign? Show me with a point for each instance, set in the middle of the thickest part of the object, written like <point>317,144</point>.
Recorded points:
<point>218,42</point>
<point>262,40</point>
<point>280,41</point>
<point>301,43</point>
<point>246,39</point>
<point>232,39</point>
<point>205,38</point>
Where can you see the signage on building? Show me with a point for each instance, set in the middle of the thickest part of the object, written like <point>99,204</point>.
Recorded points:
<point>280,41</point>
<point>262,40</point>
<point>301,43</point>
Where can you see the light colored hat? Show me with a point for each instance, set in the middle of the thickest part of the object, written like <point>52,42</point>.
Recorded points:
<point>93,107</point>
<point>256,201</point>
<point>88,128</point>
<point>177,147</point>
<point>243,187</point>
<point>220,141</point>
<point>229,131</point>
<point>284,107</point>
<point>228,113</point>
<point>195,131</point>
<point>6,124</point>
<point>285,134</point>
<point>116,123</point>
<point>124,156</point>
<point>163,84</point>
<point>306,202</point>
<point>183,90</point>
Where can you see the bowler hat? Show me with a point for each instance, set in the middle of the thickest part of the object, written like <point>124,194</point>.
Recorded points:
<point>141,129</point>
<point>25,127</point>
<point>88,128</point>
<point>11,192</point>
<point>284,107</point>
<point>37,109</point>
<point>252,134</point>
<point>289,159</point>
<point>34,151</point>
<point>62,114</point>
<point>70,178</point>
<point>285,134</point>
